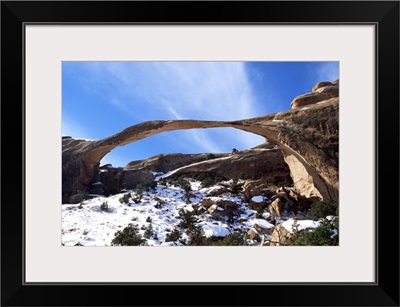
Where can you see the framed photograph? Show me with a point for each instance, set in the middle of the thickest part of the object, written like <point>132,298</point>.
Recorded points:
<point>244,148</point>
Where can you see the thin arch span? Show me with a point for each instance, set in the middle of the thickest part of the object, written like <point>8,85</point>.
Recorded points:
<point>311,177</point>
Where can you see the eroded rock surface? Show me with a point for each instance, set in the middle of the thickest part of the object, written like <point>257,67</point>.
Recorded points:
<point>307,137</point>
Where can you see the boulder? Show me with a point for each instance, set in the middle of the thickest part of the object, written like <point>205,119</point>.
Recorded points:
<point>320,84</point>
<point>263,226</point>
<point>320,93</point>
<point>276,207</point>
<point>280,236</point>
<point>216,211</point>
<point>253,233</point>
<point>257,203</point>
<point>207,202</point>
<point>218,190</point>
<point>226,204</point>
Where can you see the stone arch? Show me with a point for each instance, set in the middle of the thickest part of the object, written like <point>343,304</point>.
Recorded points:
<point>314,172</point>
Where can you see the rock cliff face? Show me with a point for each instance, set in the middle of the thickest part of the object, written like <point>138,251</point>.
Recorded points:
<point>308,138</point>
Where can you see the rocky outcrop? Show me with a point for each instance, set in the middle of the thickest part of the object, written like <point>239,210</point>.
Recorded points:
<point>164,163</point>
<point>320,92</point>
<point>246,164</point>
<point>307,137</point>
<point>280,236</point>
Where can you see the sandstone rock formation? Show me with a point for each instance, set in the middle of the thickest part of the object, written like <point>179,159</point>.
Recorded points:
<point>307,137</point>
<point>280,236</point>
<point>320,92</point>
<point>246,164</point>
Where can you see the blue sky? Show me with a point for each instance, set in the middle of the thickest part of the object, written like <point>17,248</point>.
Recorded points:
<point>100,99</point>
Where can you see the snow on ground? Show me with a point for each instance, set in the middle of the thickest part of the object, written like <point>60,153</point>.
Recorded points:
<point>168,174</point>
<point>89,225</point>
<point>264,224</point>
<point>303,224</point>
<point>257,199</point>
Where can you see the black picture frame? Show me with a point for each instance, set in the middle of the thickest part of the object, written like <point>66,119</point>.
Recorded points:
<point>383,14</point>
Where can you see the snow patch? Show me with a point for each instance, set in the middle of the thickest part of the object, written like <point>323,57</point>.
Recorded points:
<point>303,224</point>
<point>264,224</point>
<point>257,199</point>
<point>215,230</point>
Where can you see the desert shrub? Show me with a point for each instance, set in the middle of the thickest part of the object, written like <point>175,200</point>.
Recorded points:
<point>125,198</point>
<point>235,186</point>
<point>233,239</point>
<point>321,209</point>
<point>158,205</point>
<point>196,236</point>
<point>210,156</point>
<point>259,214</point>
<point>77,198</point>
<point>207,180</point>
<point>149,232</point>
<point>145,186</point>
<point>162,181</point>
<point>234,150</point>
<point>173,236</point>
<point>324,234</point>
<point>200,176</point>
<point>184,185</point>
<point>137,197</point>
<point>187,219</point>
<point>129,236</point>
<point>104,207</point>
<point>151,185</point>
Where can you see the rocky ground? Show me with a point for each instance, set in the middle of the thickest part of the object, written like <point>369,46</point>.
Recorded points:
<point>184,212</point>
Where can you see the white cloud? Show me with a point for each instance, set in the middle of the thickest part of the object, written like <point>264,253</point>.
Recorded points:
<point>178,90</point>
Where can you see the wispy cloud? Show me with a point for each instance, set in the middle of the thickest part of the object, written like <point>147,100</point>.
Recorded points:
<point>179,90</point>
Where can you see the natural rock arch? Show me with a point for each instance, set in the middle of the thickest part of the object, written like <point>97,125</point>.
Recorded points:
<point>308,139</point>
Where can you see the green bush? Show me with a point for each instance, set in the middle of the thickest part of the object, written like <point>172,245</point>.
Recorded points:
<point>185,185</point>
<point>129,236</point>
<point>187,219</point>
<point>234,239</point>
<point>146,186</point>
<point>125,198</point>
<point>77,198</point>
<point>324,234</point>
<point>196,236</point>
<point>104,207</point>
<point>207,180</point>
<point>210,156</point>
<point>158,205</point>
<point>259,214</point>
<point>235,186</point>
<point>149,232</point>
<point>138,196</point>
<point>322,209</point>
<point>173,236</point>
